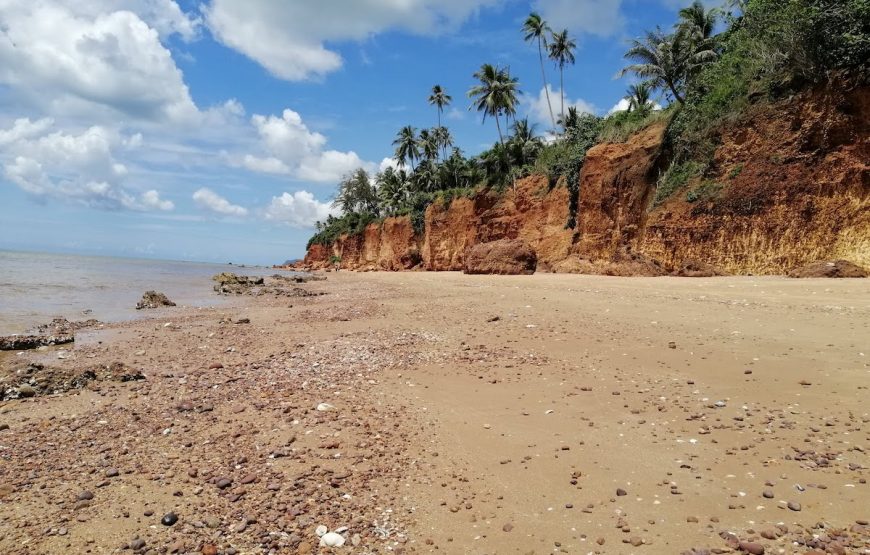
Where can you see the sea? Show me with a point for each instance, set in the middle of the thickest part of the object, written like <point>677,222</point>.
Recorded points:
<point>36,287</point>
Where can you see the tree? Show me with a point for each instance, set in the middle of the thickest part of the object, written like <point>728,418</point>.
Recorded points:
<point>639,97</point>
<point>536,29</point>
<point>562,52</point>
<point>393,190</point>
<point>524,146</point>
<point>661,59</point>
<point>407,148</point>
<point>356,194</point>
<point>496,94</point>
<point>439,98</point>
<point>428,144</point>
<point>443,138</point>
<point>696,26</point>
<point>570,120</point>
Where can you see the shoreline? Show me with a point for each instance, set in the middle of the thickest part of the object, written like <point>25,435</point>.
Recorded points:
<point>467,414</point>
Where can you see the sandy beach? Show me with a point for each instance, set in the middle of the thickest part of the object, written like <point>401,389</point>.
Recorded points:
<point>446,413</point>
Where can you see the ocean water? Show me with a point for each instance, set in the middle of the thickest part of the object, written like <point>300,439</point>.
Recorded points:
<point>36,287</point>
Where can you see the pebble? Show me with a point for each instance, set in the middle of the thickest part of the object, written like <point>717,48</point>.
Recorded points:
<point>112,472</point>
<point>85,496</point>
<point>752,547</point>
<point>507,527</point>
<point>794,505</point>
<point>620,492</point>
<point>169,519</point>
<point>137,543</point>
<point>331,539</point>
<point>767,494</point>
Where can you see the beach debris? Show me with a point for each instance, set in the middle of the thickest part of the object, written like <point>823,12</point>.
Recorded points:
<point>331,539</point>
<point>153,299</point>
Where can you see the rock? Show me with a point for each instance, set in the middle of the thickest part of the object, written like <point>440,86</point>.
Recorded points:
<point>635,541</point>
<point>507,527</point>
<point>169,519</point>
<point>767,494</point>
<point>137,543</point>
<point>621,492</point>
<point>752,547</point>
<point>794,506</point>
<point>829,269</point>
<point>153,299</point>
<point>111,473</point>
<point>209,549</point>
<point>695,268</point>
<point>331,539</point>
<point>323,407</point>
<point>26,390</point>
<point>85,496</point>
<point>223,483</point>
<point>505,256</point>
<point>321,531</point>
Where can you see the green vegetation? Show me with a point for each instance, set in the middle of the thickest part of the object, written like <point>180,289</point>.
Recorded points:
<point>675,178</point>
<point>768,48</point>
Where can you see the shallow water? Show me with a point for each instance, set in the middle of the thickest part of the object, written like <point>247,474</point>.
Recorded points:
<point>35,287</point>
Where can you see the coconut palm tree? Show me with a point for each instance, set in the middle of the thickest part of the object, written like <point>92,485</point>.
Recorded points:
<point>524,145</point>
<point>571,119</point>
<point>639,96</point>
<point>428,144</point>
<point>443,138</point>
<point>562,52</point>
<point>535,29</point>
<point>392,190</point>
<point>697,26</point>
<point>407,148</point>
<point>662,60</point>
<point>439,98</point>
<point>496,94</point>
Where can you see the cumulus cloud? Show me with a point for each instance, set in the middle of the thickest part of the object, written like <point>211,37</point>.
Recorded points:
<point>288,38</point>
<point>601,18</point>
<point>622,106</point>
<point>539,112</point>
<point>299,209</point>
<point>209,200</point>
<point>293,149</point>
<point>84,57</point>
<point>72,167</point>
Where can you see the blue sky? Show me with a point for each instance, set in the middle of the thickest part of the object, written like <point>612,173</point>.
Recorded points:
<point>217,131</point>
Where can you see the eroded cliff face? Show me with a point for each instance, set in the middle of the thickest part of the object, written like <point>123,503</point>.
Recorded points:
<point>790,184</point>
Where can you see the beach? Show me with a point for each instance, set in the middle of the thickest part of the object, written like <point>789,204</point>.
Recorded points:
<point>446,413</point>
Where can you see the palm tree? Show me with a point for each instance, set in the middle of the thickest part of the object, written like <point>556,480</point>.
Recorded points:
<point>524,145</point>
<point>439,98</point>
<point>443,138</point>
<point>696,26</point>
<point>497,94</point>
<point>639,96</point>
<point>407,148</point>
<point>571,119</point>
<point>536,29</point>
<point>562,52</point>
<point>661,59</point>
<point>392,189</point>
<point>428,143</point>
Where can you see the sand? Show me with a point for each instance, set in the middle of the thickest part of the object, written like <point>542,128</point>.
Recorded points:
<point>464,414</point>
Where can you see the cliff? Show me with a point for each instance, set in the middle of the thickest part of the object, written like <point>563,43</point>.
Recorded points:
<point>789,185</point>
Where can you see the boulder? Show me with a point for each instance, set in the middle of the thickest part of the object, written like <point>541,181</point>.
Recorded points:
<point>829,269</point>
<point>505,256</point>
<point>153,299</point>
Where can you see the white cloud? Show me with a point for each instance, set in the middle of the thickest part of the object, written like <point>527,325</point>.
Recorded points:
<point>72,167</point>
<point>299,209</point>
<point>209,200</point>
<point>602,18</point>
<point>622,106</point>
<point>288,38</point>
<point>539,112</point>
<point>388,162</point>
<point>86,58</point>
<point>293,149</point>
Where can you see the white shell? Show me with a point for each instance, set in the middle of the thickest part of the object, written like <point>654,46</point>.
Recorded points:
<point>321,530</point>
<point>331,539</point>
<point>324,407</point>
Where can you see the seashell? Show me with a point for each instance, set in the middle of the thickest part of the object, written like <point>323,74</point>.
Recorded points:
<point>321,530</point>
<point>331,539</point>
<point>324,407</point>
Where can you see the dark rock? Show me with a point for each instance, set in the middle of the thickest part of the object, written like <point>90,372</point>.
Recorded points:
<point>169,519</point>
<point>153,299</point>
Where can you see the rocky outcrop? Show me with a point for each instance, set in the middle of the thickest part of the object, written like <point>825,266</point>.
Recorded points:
<point>505,257</point>
<point>832,269</point>
<point>788,185</point>
<point>153,299</point>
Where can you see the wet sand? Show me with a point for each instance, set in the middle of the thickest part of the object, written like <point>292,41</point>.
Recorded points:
<point>468,414</point>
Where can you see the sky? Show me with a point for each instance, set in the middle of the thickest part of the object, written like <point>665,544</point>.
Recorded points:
<point>218,130</point>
